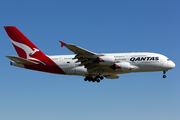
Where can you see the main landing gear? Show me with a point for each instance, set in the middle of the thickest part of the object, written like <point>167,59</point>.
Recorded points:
<point>95,79</point>
<point>164,72</point>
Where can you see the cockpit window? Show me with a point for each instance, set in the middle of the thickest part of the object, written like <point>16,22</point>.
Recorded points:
<point>168,59</point>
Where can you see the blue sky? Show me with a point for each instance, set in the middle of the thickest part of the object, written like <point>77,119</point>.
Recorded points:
<point>101,26</point>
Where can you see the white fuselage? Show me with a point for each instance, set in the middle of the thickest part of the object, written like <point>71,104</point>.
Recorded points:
<point>143,62</point>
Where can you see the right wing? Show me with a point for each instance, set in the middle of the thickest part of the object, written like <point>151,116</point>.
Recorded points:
<point>21,60</point>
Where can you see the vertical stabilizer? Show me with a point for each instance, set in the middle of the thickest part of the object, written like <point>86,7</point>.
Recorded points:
<point>24,47</point>
<point>29,55</point>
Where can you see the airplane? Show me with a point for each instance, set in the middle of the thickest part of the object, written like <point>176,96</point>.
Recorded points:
<point>94,67</point>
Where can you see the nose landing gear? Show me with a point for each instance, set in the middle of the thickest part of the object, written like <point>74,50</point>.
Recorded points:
<point>164,72</point>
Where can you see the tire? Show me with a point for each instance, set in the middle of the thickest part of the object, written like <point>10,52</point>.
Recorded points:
<point>164,76</point>
<point>98,81</point>
<point>85,79</point>
<point>101,77</point>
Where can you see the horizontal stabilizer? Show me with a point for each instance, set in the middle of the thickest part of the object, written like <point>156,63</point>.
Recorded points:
<point>21,60</point>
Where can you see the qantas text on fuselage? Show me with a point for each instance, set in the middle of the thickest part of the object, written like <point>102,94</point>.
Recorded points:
<point>144,59</point>
<point>93,66</point>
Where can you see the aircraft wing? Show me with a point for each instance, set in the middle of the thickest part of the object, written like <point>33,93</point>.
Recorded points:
<point>21,60</point>
<point>87,58</point>
<point>77,50</point>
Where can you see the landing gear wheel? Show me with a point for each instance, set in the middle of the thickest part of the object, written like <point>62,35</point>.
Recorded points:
<point>101,77</point>
<point>98,81</point>
<point>164,72</point>
<point>164,76</point>
<point>85,79</point>
<point>91,79</point>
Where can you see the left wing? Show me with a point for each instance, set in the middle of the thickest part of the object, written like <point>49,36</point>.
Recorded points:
<point>77,50</point>
<point>89,59</point>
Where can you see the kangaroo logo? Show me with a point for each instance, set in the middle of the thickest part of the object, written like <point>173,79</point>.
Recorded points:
<point>29,52</point>
<point>34,51</point>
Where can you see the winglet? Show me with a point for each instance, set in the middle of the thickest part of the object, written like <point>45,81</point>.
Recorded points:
<point>62,43</point>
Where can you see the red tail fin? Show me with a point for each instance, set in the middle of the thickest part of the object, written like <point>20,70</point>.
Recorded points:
<point>24,47</point>
<point>27,50</point>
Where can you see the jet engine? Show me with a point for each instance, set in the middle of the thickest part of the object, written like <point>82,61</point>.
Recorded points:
<point>124,67</point>
<point>106,60</point>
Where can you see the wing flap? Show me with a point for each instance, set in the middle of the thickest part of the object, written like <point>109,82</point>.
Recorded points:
<point>21,60</point>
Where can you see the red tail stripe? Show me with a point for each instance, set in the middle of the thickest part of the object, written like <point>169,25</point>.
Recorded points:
<point>18,36</point>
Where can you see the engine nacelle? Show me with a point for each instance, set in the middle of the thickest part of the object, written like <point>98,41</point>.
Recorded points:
<point>116,76</point>
<point>124,67</point>
<point>106,60</point>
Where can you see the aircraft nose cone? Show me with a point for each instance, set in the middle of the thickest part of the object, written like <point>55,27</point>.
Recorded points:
<point>171,64</point>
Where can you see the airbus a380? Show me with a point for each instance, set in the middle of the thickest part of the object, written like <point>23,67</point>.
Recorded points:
<point>93,66</point>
